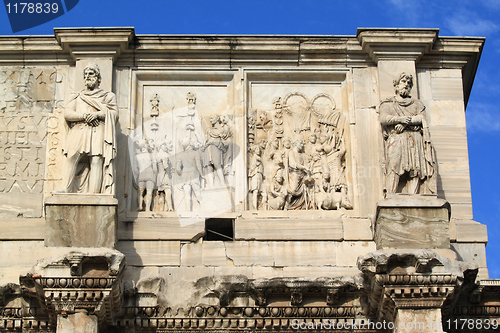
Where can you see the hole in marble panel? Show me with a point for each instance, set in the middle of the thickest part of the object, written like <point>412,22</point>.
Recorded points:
<point>219,229</point>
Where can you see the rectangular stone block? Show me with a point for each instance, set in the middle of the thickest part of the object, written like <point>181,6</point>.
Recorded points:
<point>141,228</point>
<point>450,144</point>
<point>319,271</point>
<point>446,113</point>
<point>151,253</point>
<point>231,270</point>
<point>192,254</point>
<point>250,253</point>
<point>357,229</point>
<point>266,272</point>
<point>303,253</point>
<point>288,229</point>
<point>412,222</point>
<point>447,88</point>
<point>78,220</point>
<point>22,228</point>
<point>281,254</point>
<point>214,254</point>
<point>17,257</point>
<point>470,231</point>
<point>348,252</point>
<point>471,252</point>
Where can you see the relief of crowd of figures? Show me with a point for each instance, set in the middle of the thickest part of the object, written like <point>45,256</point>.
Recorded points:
<point>175,169</point>
<point>297,155</point>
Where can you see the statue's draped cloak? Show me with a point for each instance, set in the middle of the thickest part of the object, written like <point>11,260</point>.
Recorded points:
<point>409,151</point>
<point>94,140</point>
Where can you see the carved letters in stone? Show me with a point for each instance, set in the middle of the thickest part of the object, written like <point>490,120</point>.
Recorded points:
<point>26,103</point>
<point>297,154</point>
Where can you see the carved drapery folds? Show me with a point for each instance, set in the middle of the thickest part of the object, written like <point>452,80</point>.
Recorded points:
<point>296,155</point>
<point>410,162</point>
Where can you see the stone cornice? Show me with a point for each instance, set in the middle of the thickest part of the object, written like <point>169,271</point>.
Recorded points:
<point>94,42</point>
<point>396,44</point>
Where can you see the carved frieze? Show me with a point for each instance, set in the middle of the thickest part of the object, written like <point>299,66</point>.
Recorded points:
<point>297,154</point>
<point>182,155</point>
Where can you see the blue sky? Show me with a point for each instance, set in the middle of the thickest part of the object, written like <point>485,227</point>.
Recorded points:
<point>332,17</point>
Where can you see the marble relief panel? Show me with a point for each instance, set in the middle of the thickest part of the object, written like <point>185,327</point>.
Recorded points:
<point>297,147</point>
<point>183,150</point>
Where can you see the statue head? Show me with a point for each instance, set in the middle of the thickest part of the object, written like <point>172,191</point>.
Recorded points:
<point>312,138</point>
<point>323,138</point>
<point>299,145</point>
<point>256,150</point>
<point>214,119</point>
<point>279,176</point>
<point>403,84</point>
<point>287,143</point>
<point>275,144</point>
<point>191,98</point>
<point>92,76</point>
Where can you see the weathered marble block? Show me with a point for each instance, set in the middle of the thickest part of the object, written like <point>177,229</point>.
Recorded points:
<point>412,222</point>
<point>78,220</point>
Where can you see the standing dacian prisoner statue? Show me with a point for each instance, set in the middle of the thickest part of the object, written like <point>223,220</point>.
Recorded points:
<point>410,162</point>
<point>90,147</point>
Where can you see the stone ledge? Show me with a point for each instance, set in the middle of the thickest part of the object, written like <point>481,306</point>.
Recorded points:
<point>81,199</point>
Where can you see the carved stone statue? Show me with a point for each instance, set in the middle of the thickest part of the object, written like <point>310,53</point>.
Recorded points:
<point>90,147</point>
<point>410,162</point>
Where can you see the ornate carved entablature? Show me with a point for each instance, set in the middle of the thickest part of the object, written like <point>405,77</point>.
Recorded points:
<point>410,280</point>
<point>86,281</point>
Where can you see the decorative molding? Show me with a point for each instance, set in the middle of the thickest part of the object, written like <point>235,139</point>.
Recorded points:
<point>396,44</point>
<point>94,42</point>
